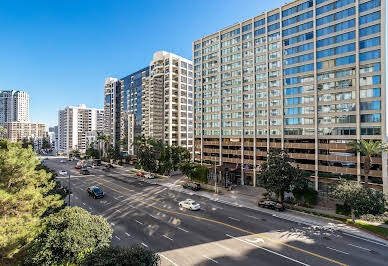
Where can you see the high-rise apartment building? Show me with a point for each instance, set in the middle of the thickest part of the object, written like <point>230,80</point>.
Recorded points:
<point>14,106</point>
<point>155,101</point>
<point>168,100</point>
<point>23,130</point>
<point>307,77</point>
<point>73,125</point>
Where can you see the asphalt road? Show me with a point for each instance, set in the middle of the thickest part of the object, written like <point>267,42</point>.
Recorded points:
<point>149,215</point>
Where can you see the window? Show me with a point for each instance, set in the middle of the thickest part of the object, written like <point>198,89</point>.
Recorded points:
<point>259,22</point>
<point>273,27</point>
<point>370,118</point>
<point>369,93</point>
<point>345,60</point>
<point>259,31</point>
<point>299,18</point>
<point>335,28</point>
<point>376,130</point>
<point>337,16</point>
<point>273,17</point>
<point>297,8</point>
<point>230,34</point>
<point>336,39</point>
<point>370,55</point>
<point>369,5</point>
<point>300,48</point>
<point>370,68</point>
<point>370,30</point>
<point>374,105</point>
<point>369,18</point>
<point>300,38</point>
<point>370,43</point>
<point>247,27</point>
<point>365,81</point>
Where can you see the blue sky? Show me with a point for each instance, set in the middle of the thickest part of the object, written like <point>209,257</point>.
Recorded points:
<point>61,51</point>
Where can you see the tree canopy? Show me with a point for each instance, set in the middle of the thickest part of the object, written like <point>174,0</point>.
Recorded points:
<point>280,176</point>
<point>67,234</point>
<point>25,195</point>
<point>368,149</point>
<point>360,199</point>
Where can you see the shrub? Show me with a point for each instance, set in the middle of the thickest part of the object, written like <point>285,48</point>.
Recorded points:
<point>200,173</point>
<point>307,195</point>
<point>66,234</point>
<point>137,166</point>
<point>342,209</point>
<point>110,255</point>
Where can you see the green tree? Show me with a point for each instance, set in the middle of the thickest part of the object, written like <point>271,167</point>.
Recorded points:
<point>145,154</point>
<point>25,195</point>
<point>67,234</point>
<point>361,200</point>
<point>280,176</point>
<point>368,149</point>
<point>46,145</point>
<point>92,153</point>
<point>75,153</point>
<point>133,256</point>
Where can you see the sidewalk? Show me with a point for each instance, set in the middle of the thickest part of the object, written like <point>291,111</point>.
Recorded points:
<point>247,197</point>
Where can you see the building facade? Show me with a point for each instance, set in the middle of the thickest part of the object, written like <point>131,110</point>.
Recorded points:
<point>14,106</point>
<point>24,131</point>
<point>307,77</point>
<point>155,101</point>
<point>73,125</point>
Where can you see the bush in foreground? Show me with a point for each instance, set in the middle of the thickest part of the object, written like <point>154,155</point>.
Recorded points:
<point>132,256</point>
<point>67,234</point>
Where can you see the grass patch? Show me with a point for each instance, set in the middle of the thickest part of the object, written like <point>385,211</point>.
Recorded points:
<point>378,230</point>
<point>318,214</point>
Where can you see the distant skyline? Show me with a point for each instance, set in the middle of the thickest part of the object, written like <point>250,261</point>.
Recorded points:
<point>61,52</point>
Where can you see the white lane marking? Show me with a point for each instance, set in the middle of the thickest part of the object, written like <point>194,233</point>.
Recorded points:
<point>120,196</point>
<point>268,250</point>
<point>118,211</point>
<point>117,237</point>
<point>144,244</point>
<point>210,259</point>
<point>112,224</point>
<point>274,215</point>
<point>138,222</point>
<point>254,217</point>
<point>226,248</point>
<point>153,217</point>
<point>75,197</point>
<point>168,237</point>
<point>381,244</point>
<point>173,263</point>
<point>90,208</point>
<point>115,198</point>
<point>127,234</point>
<point>234,218</point>
<point>338,250</point>
<point>358,247</point>
<point>183,230</point>
<point>83,203</point>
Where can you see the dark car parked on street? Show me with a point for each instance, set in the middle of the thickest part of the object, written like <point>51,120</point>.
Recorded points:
<point>95,192</point>
<point>193,186</point>
<point>271,204</point>
<point>84,172</point>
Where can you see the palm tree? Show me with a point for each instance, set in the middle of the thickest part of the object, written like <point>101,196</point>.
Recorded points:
<point>103,140</point>
<point>368,149</point>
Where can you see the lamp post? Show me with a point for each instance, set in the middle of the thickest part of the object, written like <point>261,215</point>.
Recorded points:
<point>69,190</point>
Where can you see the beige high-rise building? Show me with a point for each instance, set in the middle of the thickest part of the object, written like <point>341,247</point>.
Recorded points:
<point>307,77</point>
<point>167,100</point>
<point>19,131</point>
<point>155,101</point>
<point>74,123</point>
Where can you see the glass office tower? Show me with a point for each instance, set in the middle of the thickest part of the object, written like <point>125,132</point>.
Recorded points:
<point>307,77</point>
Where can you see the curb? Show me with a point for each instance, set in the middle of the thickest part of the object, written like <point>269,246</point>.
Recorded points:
<point>367,231</point>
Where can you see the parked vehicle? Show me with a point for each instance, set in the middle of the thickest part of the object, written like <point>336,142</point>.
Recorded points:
<point>95,192</point>
<point>271,204</point>
<point>190,204</point>
<point>140,174</point>
<point>61,161</point>
<point>191,185</point>
<point>84,172</point>
<point>62,172</point>
<point>78,167</point>
<point>150,176</point>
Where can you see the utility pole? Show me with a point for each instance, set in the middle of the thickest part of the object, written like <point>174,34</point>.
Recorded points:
<point>69,190</point>
<point>215,176</point>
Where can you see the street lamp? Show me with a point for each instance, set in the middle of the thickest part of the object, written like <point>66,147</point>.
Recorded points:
<point>69,190</point>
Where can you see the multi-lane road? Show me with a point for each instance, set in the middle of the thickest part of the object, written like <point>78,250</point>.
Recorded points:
<point>149,215</point>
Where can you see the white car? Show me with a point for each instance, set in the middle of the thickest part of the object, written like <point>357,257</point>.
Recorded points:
<point>61,161</point>
<point>62,172</point>
<point>149,176</point>
<point>190,204</point>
